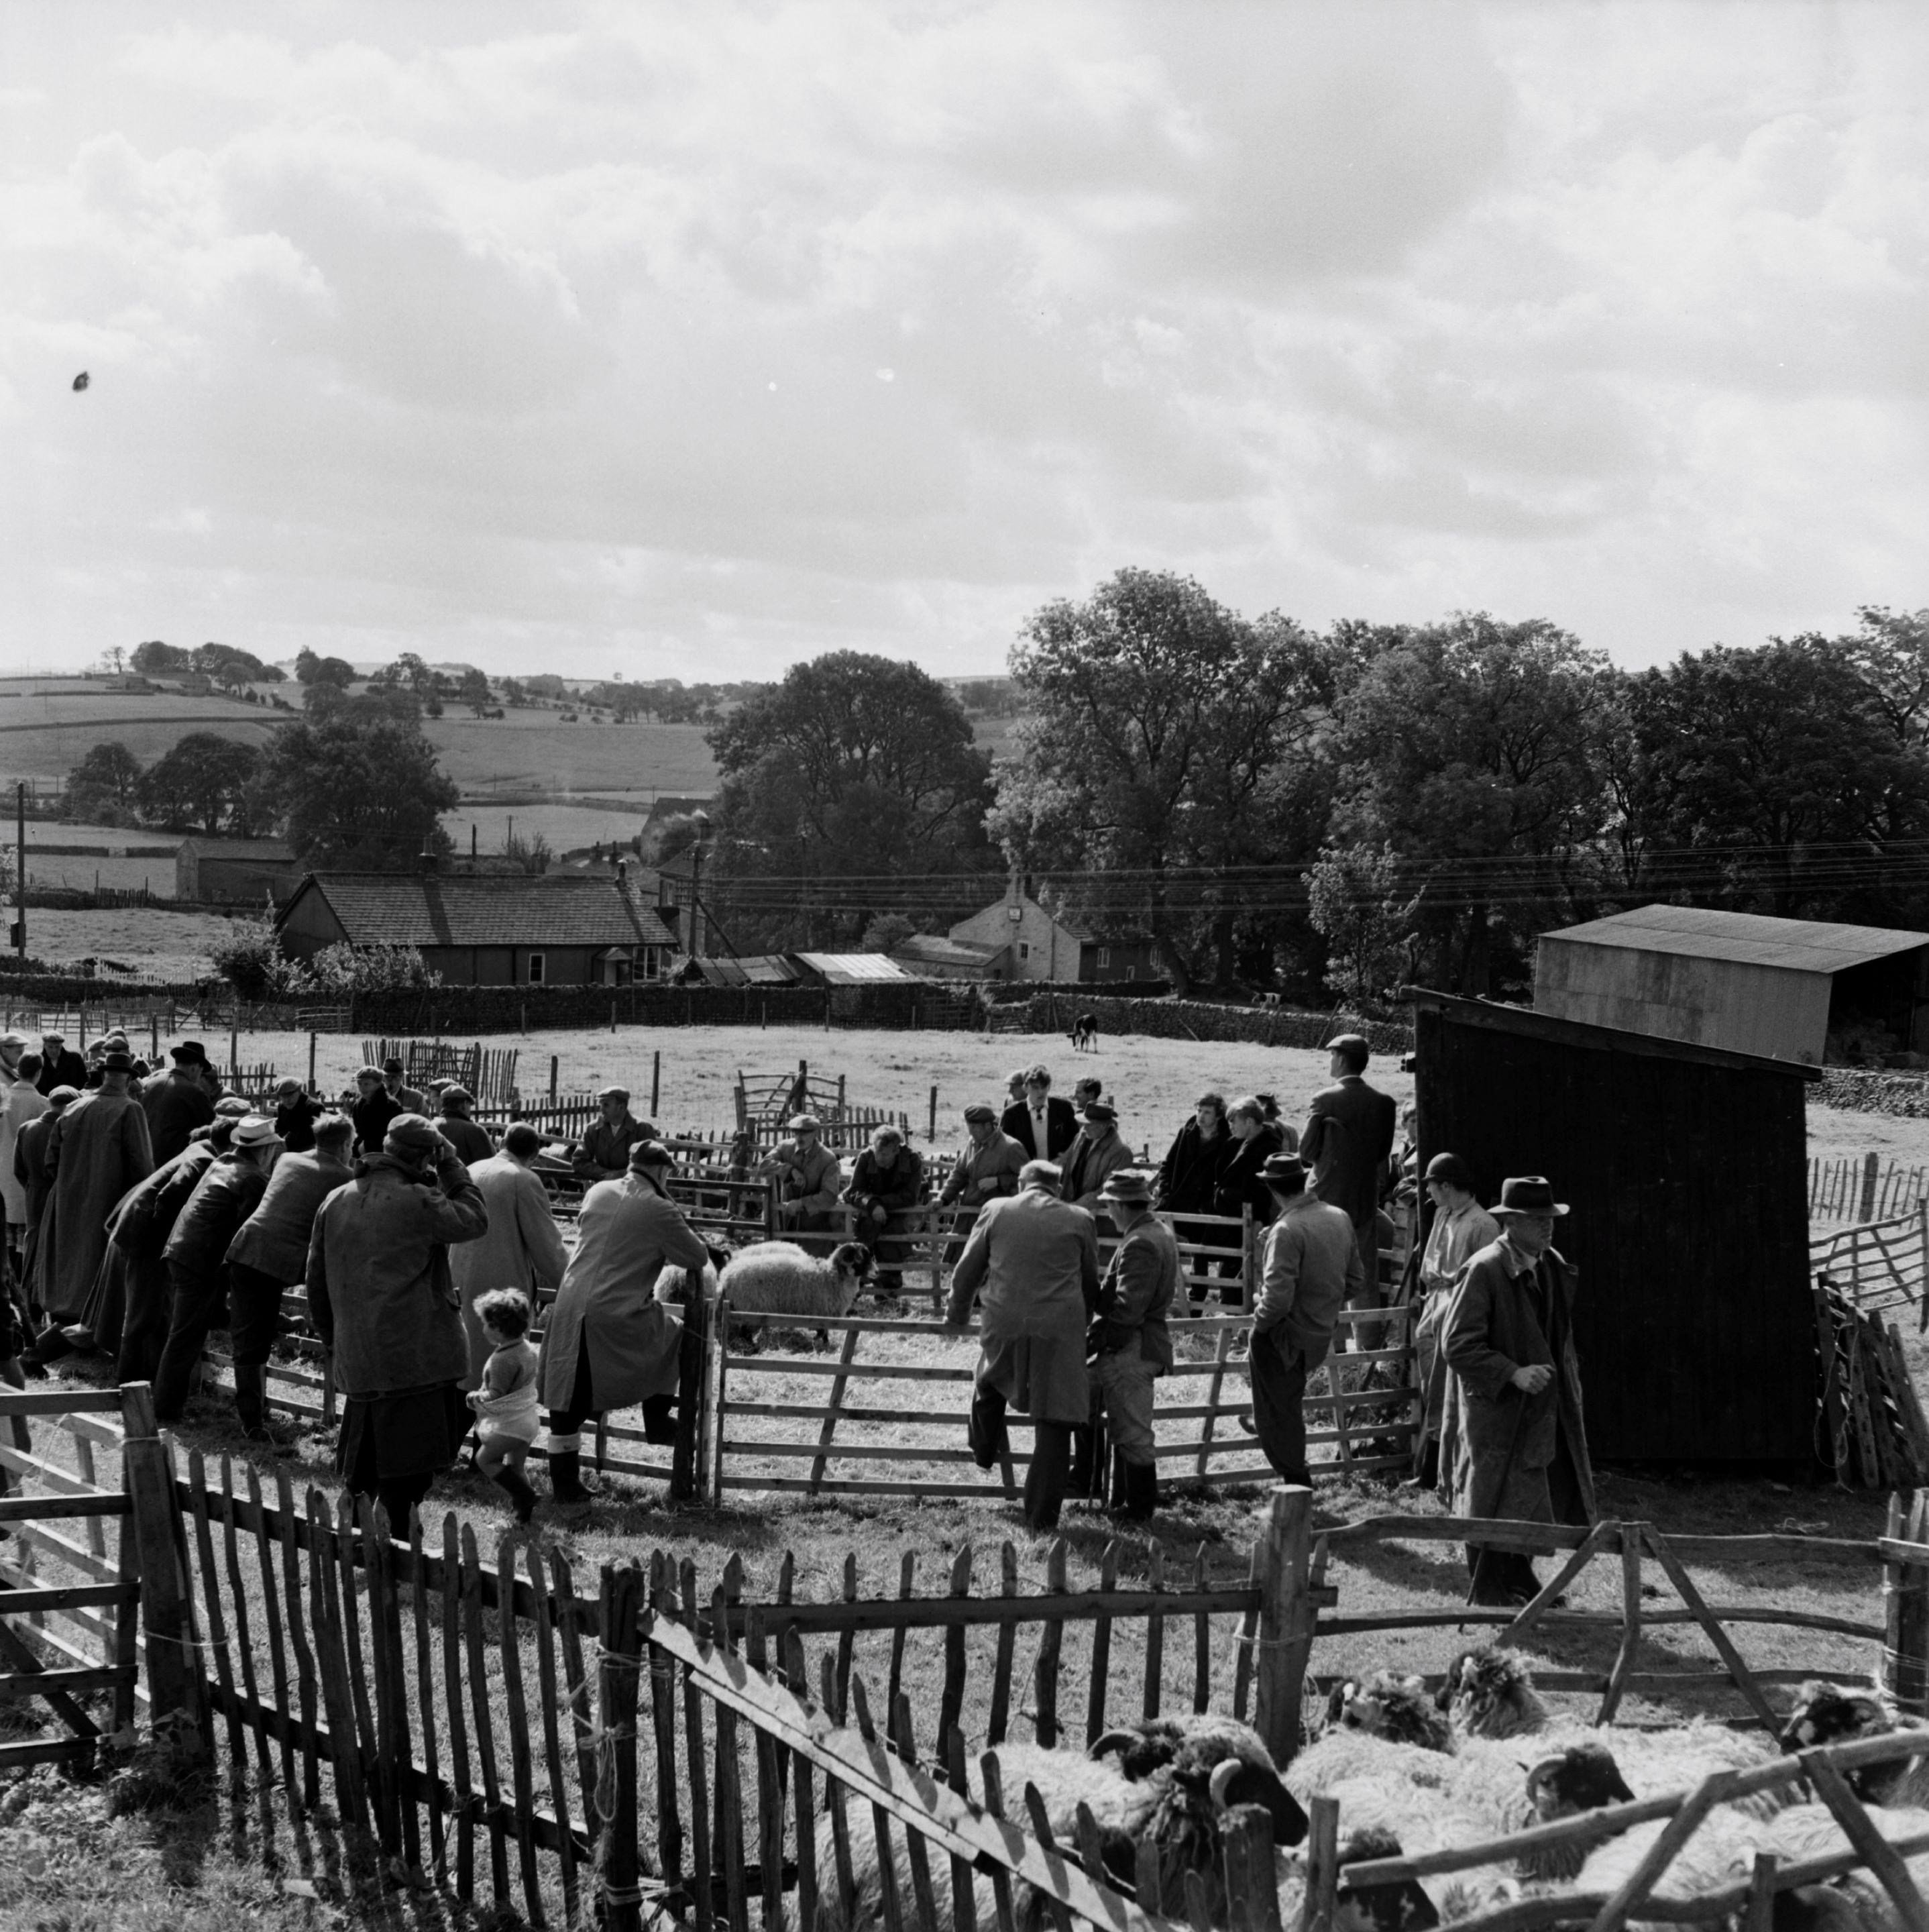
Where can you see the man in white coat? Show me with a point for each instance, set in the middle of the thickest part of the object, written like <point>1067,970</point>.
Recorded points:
<point>523,1247</point>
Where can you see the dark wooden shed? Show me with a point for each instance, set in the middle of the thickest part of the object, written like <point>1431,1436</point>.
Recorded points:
<point>1686,1167</point>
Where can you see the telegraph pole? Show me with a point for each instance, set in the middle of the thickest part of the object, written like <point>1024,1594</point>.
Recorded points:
<point>20,878</point>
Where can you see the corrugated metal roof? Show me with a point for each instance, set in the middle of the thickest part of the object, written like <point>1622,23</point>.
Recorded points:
<point>769,969</point>
<point>454,909</point>
<point>1795,945</point>
<point>854,969</point>
<point>941,952</point>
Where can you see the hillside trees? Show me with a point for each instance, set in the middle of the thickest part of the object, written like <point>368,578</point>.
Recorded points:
<point>106,784</point>
<point>310,669</point>
<point>1169,743</point>
<point>156,659</point>
<point>846,788</point>
<point>204,781</point>
<point>357,785</point>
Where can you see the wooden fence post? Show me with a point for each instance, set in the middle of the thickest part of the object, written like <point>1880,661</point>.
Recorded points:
<point>1249,1258</point>
<point>1905,1658</point>
<point>692,1381</point>
<point>1871,1176</point>
<point>1322,1864</point>
<point>655,1082</point>
<point>1251,1886</point>
<point>620,1668</point>
<point>552,1079</point>
<point>176,1702</point>
<point>1284,1634</point>
<point>932,1136</point>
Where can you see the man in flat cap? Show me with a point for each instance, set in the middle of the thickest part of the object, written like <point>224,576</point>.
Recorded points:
<point>176,1102</point>
<point>809,1180</point>
<point>603,1152</point>
<point>1461,1228</point>
<point>1349,1133</point>
<point>296,1110</point>
<point>1310,1270</point>
<point>372,1110</point>
<point>380,1295</point>
<point>472,1143</point>
<point>986,1169</point>
<point>1513,1402</point>
<point>60,1065</point>
<point>408,1100</point>
<point>610,1343</point>
<point>1129,1344</point>
<point>1098,1150</point>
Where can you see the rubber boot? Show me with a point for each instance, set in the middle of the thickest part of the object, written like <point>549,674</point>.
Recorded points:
<point>251,1399</point>
<point>1079,1485</point>
<point>1142,1491</point>
<point>659,1418</point>
<point>521,1495</point>
<point>566,1476</point>
<point>985,1430</point>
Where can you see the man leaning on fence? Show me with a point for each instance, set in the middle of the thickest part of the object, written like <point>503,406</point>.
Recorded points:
<point>1036,1258</point>
<point>809,1180</point>
<point>986,1169</point>
<point>1129,1344</point>
<point>1513,1403</point>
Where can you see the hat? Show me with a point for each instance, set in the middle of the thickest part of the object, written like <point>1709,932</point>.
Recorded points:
<point>118,1061</point>
<point>286,1082</point>
<point>452,1092</point>
<point>190,1052</point>
<point>411,1134</point>
<point>1528,1194</point>
<point>978,1112</point>
<point>59,1096</point>
<point>256,1130</point>
<point>13,1042</point>
<point>1451,1169</point>
<point>651,1153</point>
<point>615,1093</point>
<point>804,1123</point>
<point>1283,1167</point>
<point>1128,1186</point>
<point>1099,1114</point>
<point>392,1065</point>
<point>368,1073</point>
<point>58,1039</point>
<point>1348,1043</point>
<point>232,1107</point>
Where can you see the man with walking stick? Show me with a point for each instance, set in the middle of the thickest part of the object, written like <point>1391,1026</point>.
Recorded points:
<point>1513,1400</point>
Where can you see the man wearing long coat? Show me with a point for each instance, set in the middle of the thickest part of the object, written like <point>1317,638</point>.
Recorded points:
<point>380,1296</point>
<point>1349,1133</point>
<point>98,1149</point>
<point>36,1180</point>
<point>1036,1259</point>
<point>524,1246</point>
<point>1513,1403</point>
<point>610,1344</point>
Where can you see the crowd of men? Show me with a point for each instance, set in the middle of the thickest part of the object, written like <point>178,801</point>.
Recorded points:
<point>146,1209</point>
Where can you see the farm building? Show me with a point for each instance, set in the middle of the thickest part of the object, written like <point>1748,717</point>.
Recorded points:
<point>486,930</point>
<point>1686,1170</point>
<point>752,969</point>
<point>235,872</point>
<point>1047,945</point>
<point>1779,987</point>
<point>850,969</point>
<point>931,957</point>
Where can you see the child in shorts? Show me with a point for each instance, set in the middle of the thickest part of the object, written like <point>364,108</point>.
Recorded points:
<point>506,1420</point>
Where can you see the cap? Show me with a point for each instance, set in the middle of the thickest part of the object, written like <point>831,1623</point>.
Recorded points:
<point>15,1041</point>
<point>409,1133</point>
<point>232,1107</point>
<point>1451,1169</point>
<point>615,1093</point>
<point>651,1153</point>
<point>288,1084</point>
<point>978,1113</point>
<point>392,1065</point>
<point>368,1073</point>
<point>453,1093</point>
<point>58,1039</point>
<point>255,1131</point>
<point>804,1123</point>
<point>1347,1043</point>
<point>1528,1194</point>
<point>59,1096</point>
<point>118,1061</point>
<point>1128,1187</point>
<point>1283,1167</point>
<point>1099,1114</point>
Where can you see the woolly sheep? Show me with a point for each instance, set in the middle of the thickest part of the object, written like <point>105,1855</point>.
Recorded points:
<point>1167,1780</point>
<point>780,1278</point>
<point>1826,1714</point>
<point>1391,1706</point>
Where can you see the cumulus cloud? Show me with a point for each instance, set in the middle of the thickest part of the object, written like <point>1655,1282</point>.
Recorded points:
<point>756,330</point>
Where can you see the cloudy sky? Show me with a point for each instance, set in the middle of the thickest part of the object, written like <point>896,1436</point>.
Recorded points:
<point>691,340</point>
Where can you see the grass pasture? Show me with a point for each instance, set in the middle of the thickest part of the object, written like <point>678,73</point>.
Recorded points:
<point>567,827</point>
<point>535,749</point>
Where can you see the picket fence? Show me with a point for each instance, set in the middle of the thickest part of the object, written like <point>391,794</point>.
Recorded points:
<point>1864,1187</point>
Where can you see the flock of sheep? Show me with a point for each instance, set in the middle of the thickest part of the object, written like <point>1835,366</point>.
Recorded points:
<point>1481,1759</point>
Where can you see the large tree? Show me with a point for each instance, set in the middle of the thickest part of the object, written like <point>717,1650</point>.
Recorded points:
<point>851,788</point>
<point>107,780</point>
<point>357,785</point>
<point>1169,743</point>
<point>204,781</point>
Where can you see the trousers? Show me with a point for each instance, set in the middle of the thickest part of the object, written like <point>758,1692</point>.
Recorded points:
<point>1125,1380</point>
<point>1050,1475</point>
<point>197,1295</point>
<point>1279,1396</point>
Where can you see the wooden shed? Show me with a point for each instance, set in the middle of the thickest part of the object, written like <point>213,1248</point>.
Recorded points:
<point>1686,1168</point>
<point>1740,980</point>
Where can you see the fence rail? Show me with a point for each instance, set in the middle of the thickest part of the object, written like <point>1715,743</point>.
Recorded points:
<point>1875,1264</point>
<point>1864,1187</point>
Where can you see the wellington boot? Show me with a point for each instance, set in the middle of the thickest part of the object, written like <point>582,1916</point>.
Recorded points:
<point>659,1419</point>
<point>521,1495</point>
<point>1079,1485</point>
<point>251,1396</point>
<point>1142,1491</point>
<point>565,1478</point>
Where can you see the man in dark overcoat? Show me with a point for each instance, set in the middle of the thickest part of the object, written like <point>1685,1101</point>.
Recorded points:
<point>177,1102</point>
<point>1514,1403</point>
<point>1349,1133</point>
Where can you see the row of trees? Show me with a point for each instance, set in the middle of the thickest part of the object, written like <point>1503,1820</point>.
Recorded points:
<point>1279,807</point>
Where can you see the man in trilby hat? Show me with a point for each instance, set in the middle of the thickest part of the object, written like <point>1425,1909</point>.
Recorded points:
<point>1513,1400</point>
<point>1128,1344</point>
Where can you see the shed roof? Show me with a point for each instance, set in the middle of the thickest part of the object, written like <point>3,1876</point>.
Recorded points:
<point>937,951</point>
<point>272,850</point>
<point>854,969</point>
<point>456,909</point>
<point>1795,945</point>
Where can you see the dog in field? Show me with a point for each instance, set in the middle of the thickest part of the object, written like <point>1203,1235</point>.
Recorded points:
<point>1085,1033</point>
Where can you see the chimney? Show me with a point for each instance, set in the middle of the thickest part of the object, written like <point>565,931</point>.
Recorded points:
<point>429,862</point>
<point>622,872</point>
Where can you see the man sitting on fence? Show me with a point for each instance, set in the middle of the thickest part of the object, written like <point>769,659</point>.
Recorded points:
<point>986,1169</point>
<point>603,1152</point>
<point>1513,1404</point>
<point>1036,1259</point>
<point>886,1187</point>
<point>471,1142</point>
<point>197,1272</point>
<point>809,1180</point>
<point>523,1248</point>
<point>270,1253</point>
<point>380,1296</point>
<point>610,1343</point>
<point>1130,1342</point>
<point>176,1102</point>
